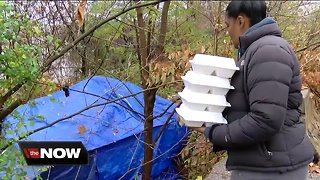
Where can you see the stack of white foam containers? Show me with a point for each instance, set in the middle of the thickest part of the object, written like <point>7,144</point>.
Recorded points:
<point>203,98</point>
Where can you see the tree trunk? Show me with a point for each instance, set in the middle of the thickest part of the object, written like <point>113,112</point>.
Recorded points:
<point>146,57</point>
<point>83,53</point>
<point>149,97</point>
<point>149,100</point>
<point>217,29</point>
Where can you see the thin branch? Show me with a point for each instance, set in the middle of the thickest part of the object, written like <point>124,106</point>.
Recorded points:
<point>63,20</point>
<point>125,80</point>
<point>67,48</point>
<point>164,125</point>
<point>99,96</point>
<point>49,172</point>
<point>137,46</point>
<point>139,140</point>
<point>126,85</point>
<point>95,95</point>
<point>135,150</point>
<point>11,142</point>
<point>313,49</point>
<point>141,165</point>
<point>91,30</point>
<point>150,28</point>
<point>166,110</point>
<point>69,14</point>
<point>4,98</point>
<point>177,27</point>
<point>163,27</point>
<point>102,61</point>
<point>142,41</point>
<point>77,173</point>
<point>99,67</point>
<point>9,109</point>
<point>307,47</point>
<point>62,52</point>
<point>114,43</point>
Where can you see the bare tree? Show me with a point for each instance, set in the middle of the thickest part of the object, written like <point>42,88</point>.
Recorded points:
<point>146,57</point>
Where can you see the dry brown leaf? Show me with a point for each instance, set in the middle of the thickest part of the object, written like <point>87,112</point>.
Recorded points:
<point>313,168</point>
<point>80,12</point>
<point>81,129</point>
<point>187,54</point>
<point>202,49</point>
<point>115,131</point>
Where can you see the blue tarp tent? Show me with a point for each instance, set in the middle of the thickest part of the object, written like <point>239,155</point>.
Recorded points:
<point>112,133</point>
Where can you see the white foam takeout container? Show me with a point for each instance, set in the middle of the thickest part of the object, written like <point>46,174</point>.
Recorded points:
<point>192,118</point>
<point>213,65</point>
<point>200,83</point>
<point>203,102</point>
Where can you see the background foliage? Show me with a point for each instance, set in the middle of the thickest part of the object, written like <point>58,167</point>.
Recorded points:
<point>32,32</point>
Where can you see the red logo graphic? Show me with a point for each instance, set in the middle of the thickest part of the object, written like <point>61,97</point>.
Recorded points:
<point>31,152</point>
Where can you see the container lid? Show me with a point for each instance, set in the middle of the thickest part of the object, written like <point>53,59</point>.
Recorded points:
<point>206,80</point>
<point>201,98</point>
<point>214,61</point>
<point>200,116</point>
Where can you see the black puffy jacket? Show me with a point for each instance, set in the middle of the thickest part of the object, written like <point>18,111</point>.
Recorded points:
<point>264,130</point>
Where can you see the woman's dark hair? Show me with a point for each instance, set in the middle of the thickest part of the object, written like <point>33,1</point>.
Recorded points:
<point>254,10</point>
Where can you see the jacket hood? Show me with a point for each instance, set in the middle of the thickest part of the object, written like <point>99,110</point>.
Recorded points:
<point>267,26</point>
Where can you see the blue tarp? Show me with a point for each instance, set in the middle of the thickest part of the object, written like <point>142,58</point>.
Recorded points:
<point>112,133</point>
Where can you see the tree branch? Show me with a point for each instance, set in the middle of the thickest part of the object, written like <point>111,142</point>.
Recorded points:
<point>137,46</point>
<point>135,26</point>
<point>105,99</point>
<point>11,142</point>
<point>313,49</point>
<point>51,59</point>
<point>150,27</point>
<point>62,119</point>
<point>4,98</point>
<point>142,37</point>
<point>9,109</point>
<point>166,110</point>
<point>141,165</point>
<point>63,20</point>
<point>165,125</point>
<point>307,47</point>
<point>91,30</point>
<point>163,27</point>
<point>99,96</point>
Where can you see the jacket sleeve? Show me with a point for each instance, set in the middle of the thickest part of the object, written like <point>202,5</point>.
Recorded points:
<point>268,81</point>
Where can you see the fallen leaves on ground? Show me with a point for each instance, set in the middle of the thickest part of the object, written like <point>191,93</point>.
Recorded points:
<point>314,168</point>
<point>81,129</point>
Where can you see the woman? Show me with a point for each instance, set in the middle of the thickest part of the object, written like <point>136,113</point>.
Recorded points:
<point>265,137</point>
